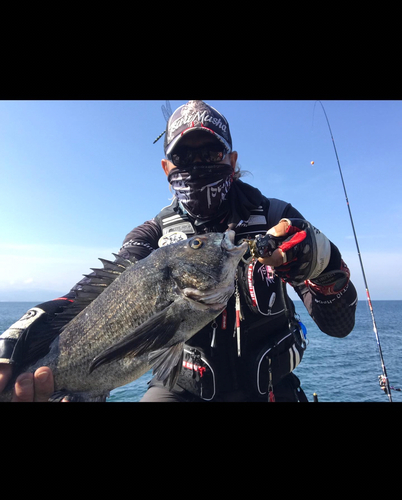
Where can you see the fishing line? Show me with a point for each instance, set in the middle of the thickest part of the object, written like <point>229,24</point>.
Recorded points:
<point>312,140</point>
<point>384,382</point>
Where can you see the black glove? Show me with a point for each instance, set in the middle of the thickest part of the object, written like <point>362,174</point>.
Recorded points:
<point>307,255</point>
<point>302,250</point>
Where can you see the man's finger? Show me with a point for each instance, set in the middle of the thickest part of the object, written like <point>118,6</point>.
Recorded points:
<point>280,229</point>
<point>24,388</point>
<point>44,384</point>
<point>5,374</point>
<point>275,260</point>
<point>34,387</point>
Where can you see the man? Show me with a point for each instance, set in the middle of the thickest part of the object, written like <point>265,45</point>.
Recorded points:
<point>250,351</point>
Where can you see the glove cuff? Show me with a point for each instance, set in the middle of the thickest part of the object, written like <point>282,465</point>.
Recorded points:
<point>9,341</point>
<point>7,346</point>
<point>332,282</point>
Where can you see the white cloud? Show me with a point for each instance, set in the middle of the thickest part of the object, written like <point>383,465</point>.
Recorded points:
<point>47,267</point>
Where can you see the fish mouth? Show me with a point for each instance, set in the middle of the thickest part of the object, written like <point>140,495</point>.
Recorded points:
<point>228,244</point>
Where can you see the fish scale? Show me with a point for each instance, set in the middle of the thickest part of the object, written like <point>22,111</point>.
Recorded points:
<point>142,318</point>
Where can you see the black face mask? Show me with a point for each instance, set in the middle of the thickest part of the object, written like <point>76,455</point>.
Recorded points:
<point>202,189</point>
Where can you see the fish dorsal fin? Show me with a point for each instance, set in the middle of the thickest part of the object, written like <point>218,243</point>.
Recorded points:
<point>86,291</point>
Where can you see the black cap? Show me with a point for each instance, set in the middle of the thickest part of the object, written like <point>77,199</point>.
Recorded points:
<point>196,115</point>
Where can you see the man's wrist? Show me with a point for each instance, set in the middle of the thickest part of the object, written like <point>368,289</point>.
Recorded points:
<point>331,282</point>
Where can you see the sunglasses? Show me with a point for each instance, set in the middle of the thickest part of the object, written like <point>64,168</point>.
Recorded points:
<point>210,153</point>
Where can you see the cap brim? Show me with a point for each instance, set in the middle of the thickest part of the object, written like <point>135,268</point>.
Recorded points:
<point>196,129</point>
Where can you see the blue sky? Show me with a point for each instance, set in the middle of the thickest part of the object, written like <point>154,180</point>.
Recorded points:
<point>77,176</point>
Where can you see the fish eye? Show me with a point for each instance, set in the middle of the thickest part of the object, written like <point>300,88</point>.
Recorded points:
<point>196,243</point>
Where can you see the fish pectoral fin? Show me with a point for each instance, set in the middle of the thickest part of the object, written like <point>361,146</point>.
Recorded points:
<point>167,363</point>
<point>150,336</point>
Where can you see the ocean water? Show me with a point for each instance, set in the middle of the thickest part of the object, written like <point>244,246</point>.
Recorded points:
<point>337,370</point>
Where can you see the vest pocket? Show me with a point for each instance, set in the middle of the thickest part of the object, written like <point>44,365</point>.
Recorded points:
<point>198,375</point>
<point>279,357</point>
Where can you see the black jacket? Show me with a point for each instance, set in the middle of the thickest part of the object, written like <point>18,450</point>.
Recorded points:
<point>268,312</point>
<point>269,328</point>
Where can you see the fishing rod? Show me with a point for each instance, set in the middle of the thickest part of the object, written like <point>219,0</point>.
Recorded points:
<point>384,382</point>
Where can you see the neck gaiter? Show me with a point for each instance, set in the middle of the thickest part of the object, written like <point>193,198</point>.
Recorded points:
<point>202,189</point>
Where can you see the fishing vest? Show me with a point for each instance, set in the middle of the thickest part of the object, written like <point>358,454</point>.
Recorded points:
<point>271,338</point>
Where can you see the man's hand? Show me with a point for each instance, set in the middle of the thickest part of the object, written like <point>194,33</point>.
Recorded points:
<point>268,247</point>
<point>296,249</point>
<point>29,387</point>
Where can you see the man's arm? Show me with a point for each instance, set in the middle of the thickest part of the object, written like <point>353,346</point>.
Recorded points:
<point>304,257</point>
